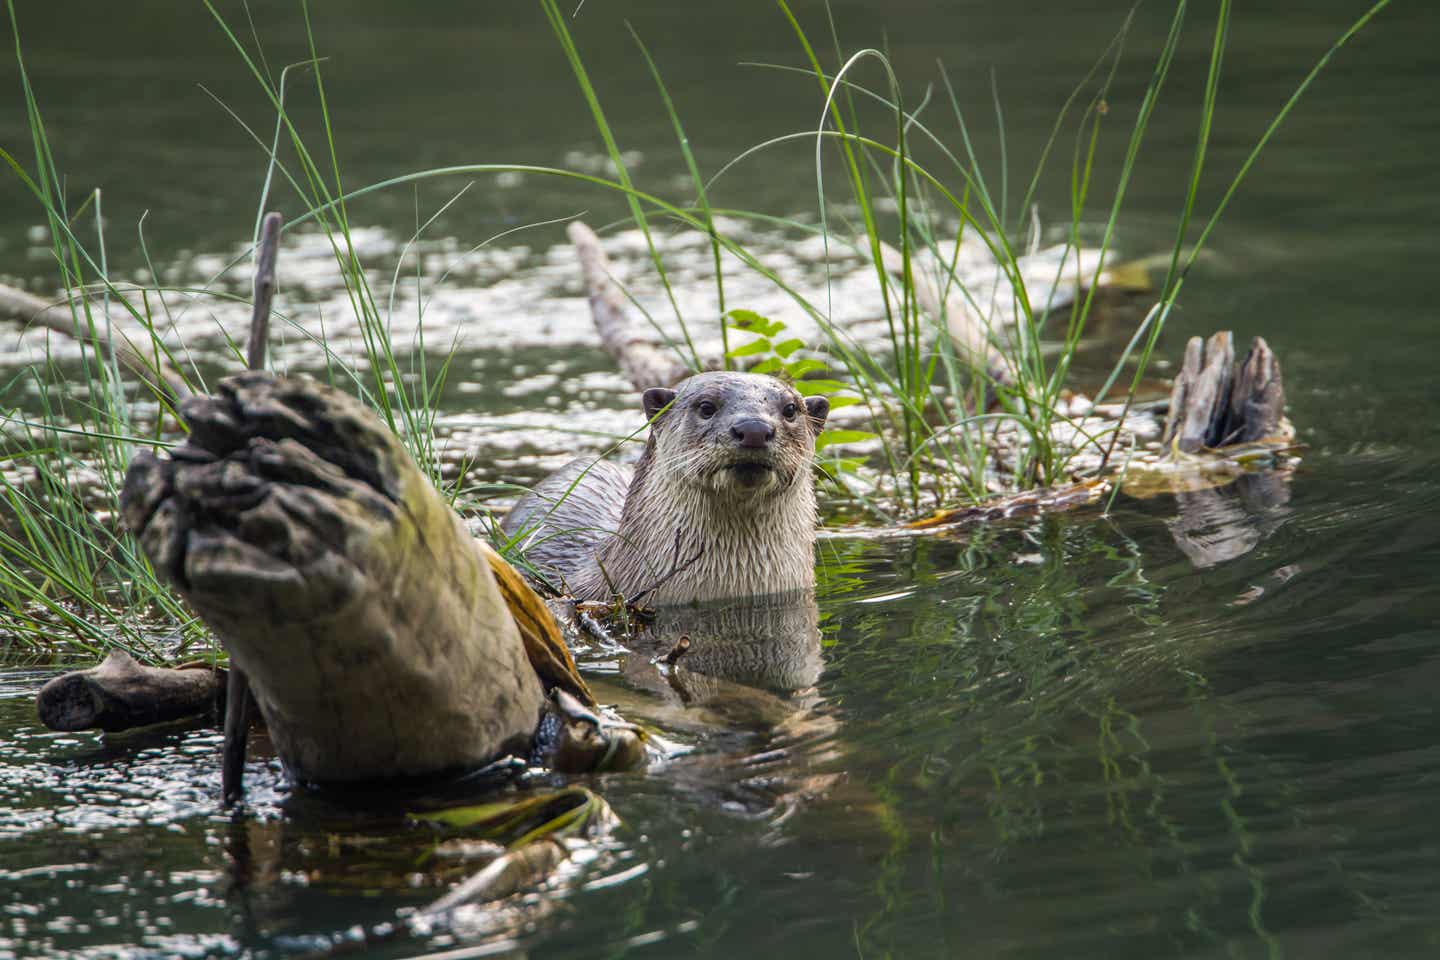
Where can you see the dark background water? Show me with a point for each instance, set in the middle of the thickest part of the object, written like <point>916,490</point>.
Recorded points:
<point>1062,737</point>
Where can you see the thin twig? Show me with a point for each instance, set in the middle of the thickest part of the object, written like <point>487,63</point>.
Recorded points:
<point>240,703</point>
<point>264,289</point>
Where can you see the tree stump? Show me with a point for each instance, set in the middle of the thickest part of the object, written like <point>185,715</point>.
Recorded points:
<point>1212,404</point>
<point>374,635</point>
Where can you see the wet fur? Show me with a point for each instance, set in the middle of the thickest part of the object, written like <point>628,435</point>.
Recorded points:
<point>687,528</point>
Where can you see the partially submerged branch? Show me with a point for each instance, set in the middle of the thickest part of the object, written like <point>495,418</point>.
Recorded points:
<point>1214,404</point>
<point>30,310</point>
<point>643,362</point>
<point>120,694</point>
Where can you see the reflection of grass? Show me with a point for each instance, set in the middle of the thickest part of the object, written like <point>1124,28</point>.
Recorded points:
<point>1058,739</point>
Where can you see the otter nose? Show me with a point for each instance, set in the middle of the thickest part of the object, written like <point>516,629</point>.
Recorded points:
<point>752,434</point>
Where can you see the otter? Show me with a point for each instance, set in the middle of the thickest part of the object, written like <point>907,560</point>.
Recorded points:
<point>721,503</point>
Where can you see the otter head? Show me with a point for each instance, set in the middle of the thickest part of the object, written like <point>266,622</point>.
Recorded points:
<point>743,436</point>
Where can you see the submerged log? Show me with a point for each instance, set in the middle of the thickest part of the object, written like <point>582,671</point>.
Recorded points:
<point>375,638</point>
<point>121,694</point>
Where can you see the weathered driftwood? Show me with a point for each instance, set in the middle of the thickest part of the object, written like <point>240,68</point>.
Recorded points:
<point>374,635</point>
<point>1257,403</point>
<point>976,301</point>
<point>1213,405</point>
<point>264,296</point>
<point>120,694</point>
<point>30,310</point>
<point>643,362</point>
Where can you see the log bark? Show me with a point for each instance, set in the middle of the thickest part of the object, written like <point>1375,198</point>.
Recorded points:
<point>544,643</point>
<point>642,361</point>
<point>120,694</point>
<point>375,638</point>
<point>1204,416</point>
<point>30,310</point>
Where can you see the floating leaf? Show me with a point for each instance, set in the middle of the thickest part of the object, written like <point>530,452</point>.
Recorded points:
<point>519,821</point>
<point>475,815</point>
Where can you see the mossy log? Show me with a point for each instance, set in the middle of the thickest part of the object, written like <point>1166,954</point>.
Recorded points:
<point>121,693</point>
<point>375,637</point>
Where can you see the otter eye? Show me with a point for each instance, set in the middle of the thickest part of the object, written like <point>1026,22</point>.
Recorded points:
<point>790,411</point>
<point>706,409</point>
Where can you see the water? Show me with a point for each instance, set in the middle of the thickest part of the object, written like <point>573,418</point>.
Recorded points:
<point>1063,737</point>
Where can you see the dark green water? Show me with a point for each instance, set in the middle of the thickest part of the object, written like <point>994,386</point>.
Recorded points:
<point>1057,738</point>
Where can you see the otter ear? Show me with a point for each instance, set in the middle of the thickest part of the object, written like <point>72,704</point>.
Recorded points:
<point>656,399</point>
<point>819,409</point>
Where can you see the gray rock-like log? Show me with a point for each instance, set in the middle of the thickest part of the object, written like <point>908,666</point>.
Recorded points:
<point>374,636</point>
<point>120,694</point>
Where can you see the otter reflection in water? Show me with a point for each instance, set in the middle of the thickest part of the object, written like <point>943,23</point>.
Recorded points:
<point>744,694</point>
<point>748,663</point>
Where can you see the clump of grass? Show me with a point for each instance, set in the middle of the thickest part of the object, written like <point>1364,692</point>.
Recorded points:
<point>927,392</point>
